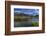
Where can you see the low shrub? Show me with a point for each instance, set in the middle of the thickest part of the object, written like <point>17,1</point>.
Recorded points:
<point>35,24</point>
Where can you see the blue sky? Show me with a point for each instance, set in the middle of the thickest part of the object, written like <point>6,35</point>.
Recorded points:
<point>27,11</point>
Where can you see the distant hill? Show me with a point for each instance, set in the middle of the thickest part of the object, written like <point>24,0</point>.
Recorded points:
<point>22,14</point>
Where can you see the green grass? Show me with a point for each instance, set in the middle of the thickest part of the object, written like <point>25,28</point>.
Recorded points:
<point>35,23</point>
